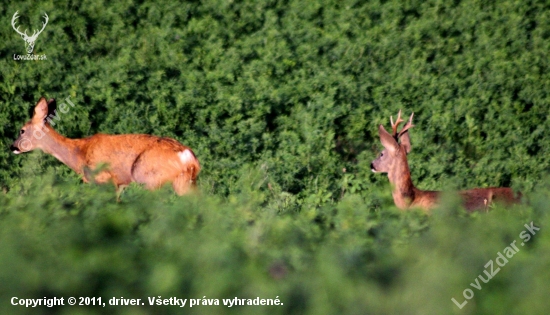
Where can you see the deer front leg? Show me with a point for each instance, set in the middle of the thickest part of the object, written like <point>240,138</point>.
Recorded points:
<point>119,190</point>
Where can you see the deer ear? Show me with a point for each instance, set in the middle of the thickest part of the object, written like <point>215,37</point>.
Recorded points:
<point>387,140</point>
<point>40,111</point>
<point>406,141</point>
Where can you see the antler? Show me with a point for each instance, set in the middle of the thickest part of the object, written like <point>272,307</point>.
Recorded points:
<point>43,25</point>
<point>399,120</point>
<point>407,126</point>
<point>15,17</point>
<point>34,34</point>
<point>396,124</point>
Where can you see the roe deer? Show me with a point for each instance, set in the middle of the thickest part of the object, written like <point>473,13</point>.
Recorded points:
<point>140,158</point>
<point>393,160</point>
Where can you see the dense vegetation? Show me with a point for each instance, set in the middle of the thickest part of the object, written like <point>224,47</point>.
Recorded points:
<point>280,101</point>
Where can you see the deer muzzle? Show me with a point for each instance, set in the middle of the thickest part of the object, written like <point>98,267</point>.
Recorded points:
<point>14,149</point>
<point>372,168</point>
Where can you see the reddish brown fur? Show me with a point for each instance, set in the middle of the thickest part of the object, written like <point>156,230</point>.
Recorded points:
<point>393,160</point>
<point>145,159</point>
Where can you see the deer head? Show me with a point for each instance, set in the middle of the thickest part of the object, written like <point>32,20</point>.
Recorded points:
<point>29,40</point>
<point>394,152</point>
<point>35,129</point>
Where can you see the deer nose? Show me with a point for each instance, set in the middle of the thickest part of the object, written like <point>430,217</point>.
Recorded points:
<point>372,167</point>
<point>13,147</point>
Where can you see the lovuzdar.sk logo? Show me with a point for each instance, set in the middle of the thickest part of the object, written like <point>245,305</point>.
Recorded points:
<point>29,40</point>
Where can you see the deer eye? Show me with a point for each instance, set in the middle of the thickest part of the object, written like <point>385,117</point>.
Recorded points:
<point>22,131</point>
<point>381,154</point>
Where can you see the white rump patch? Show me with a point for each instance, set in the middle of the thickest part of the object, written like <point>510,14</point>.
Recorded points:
<point>186,156</point>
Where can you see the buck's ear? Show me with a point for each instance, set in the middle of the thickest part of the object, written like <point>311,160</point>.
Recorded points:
<point>406,141</point>
<point>387,140</point>
<point>40,111</point>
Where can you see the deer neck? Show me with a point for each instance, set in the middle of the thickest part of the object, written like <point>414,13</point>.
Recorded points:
<point>403,189</point>
<point>66,150</point>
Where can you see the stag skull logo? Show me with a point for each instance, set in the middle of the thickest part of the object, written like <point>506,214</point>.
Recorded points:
<point>29,40</point>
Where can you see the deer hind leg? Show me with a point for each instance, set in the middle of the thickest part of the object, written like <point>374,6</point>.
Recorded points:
<point>146,175</point>
<point>153,168</point>
<point>182,183</point>
<point>185,180</point>
<point>488,200</point>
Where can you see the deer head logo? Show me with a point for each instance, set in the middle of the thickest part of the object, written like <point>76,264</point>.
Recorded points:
<point>29,40</point>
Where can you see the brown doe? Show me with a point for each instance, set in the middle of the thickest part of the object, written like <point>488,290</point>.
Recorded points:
<point>145,159</point>
<point>393,160</point>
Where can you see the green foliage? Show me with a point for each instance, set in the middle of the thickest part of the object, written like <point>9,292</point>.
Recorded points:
<point>280,101</point>
<point>60,238</point>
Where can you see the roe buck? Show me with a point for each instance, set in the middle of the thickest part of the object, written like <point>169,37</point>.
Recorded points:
<point>140,158</point>
<point>393,160</point>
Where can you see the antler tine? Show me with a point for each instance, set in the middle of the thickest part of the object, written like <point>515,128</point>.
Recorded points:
<point>13,20</point>
<point>15,17</point>
<point>35,34</point>
<point>44,23</point>
<point>396,124</point>
<point>407,126</point>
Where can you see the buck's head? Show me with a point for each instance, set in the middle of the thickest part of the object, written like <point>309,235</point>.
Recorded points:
<point>396,146</point>
<point>34,130</point>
